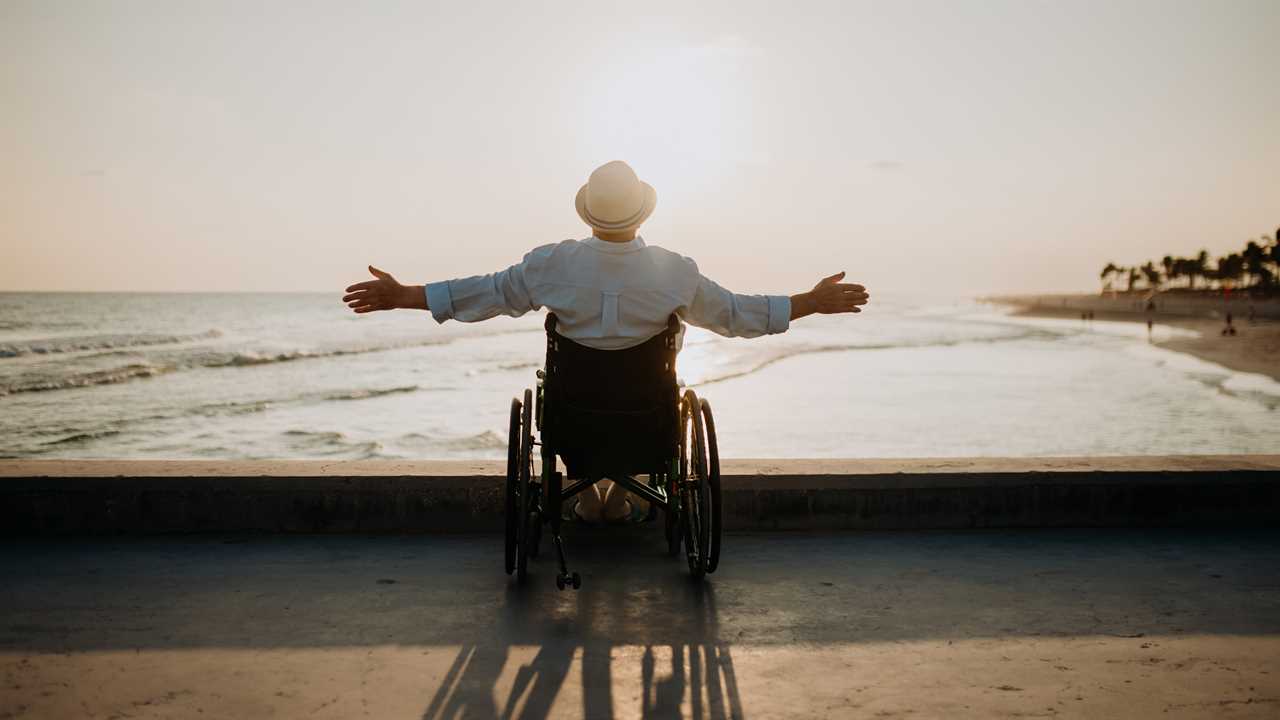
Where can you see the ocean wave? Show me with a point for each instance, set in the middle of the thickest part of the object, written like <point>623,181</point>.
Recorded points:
<point>46,379</point>
<point>82,437</point>
<point>365,394</point>
<point>480,441</point>
<point>485,440</point>
<point>60,345</point>
<point>110,376</point>
<point>791,352</point>
<point>63,434</point>
<point>222,408</point>
<point>315,435</point>
<point>330,443</point>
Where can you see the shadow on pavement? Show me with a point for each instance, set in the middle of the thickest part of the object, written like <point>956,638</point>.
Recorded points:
<point>700,669</point>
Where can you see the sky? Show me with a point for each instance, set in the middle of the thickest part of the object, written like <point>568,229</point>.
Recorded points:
<point>940,148</point>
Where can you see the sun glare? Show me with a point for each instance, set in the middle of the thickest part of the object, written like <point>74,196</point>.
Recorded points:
<point>683,114</point>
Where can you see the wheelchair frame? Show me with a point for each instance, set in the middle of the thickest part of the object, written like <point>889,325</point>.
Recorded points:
<point>686,489</point>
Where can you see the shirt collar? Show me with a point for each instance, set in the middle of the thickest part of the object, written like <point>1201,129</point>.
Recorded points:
<point>615,247</point>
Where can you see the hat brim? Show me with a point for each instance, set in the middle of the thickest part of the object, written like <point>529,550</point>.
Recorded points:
<point>650,202</point>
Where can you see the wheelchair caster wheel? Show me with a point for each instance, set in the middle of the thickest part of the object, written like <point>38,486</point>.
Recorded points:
<point>573,580</point>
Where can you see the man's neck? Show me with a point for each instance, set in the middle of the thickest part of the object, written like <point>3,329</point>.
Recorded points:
<point>617,237</point>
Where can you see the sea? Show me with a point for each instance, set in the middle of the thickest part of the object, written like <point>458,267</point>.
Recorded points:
<point>266,376</point>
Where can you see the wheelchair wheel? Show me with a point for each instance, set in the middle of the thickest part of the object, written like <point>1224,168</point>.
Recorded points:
<point>696,492</point>
<point>713,487</point>
<point>511,505</point>
<point>528,503</point>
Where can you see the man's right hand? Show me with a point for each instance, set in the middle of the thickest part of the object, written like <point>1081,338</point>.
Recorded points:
<point>829,296</point>
<point>384,293</point>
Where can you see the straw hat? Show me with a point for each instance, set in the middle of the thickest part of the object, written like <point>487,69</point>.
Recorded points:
<point>614,199</point>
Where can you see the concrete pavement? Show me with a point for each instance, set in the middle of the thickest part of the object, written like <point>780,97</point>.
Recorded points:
<point>1118,623</point>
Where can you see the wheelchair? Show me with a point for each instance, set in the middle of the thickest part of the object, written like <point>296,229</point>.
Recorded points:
<point>614,414</point>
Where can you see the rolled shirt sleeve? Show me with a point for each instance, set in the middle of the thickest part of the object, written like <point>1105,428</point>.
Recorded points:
<point>440,300</point>
<point>480,297</point>
<point>734,315</point>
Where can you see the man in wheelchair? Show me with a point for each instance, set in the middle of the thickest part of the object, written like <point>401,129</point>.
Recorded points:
<point>607,401</point>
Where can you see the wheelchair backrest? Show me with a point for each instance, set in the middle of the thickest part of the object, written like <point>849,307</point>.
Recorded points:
<point>633,380</point>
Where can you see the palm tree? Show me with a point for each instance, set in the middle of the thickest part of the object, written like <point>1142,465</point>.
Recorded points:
<point>1230,268</point>
<point>1107,272</point>
<point>1255,263</point>
<point>1152,275</point>
<point>1200,265</point>
<point>1167,262</point>
<point>1182,268</point>
<point>1133,277</point>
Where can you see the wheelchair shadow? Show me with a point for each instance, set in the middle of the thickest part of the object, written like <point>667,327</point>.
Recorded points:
<point>620,638</point>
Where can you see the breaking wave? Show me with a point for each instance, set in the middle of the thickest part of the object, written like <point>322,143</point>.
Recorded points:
<point>332,443</point>
<point>788,353</point>
<point>121,374</point>
<point>47,379</point>
<point>370,393</point>
<point>60,345</point>
<point>480,441</point>
<point>82,437</point>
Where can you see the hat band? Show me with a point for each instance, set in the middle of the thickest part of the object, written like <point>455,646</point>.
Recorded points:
<point>606,224</point>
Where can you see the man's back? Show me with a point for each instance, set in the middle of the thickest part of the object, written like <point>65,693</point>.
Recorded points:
<point>609,295</point>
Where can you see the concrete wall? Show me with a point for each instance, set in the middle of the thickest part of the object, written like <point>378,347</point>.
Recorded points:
<point>78,497</point>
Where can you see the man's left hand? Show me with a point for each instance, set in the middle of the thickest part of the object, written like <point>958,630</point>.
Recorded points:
<point>384,293</point>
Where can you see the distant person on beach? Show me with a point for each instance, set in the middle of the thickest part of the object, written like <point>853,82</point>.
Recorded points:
<point>609,291</point>
<point>1229,328</point>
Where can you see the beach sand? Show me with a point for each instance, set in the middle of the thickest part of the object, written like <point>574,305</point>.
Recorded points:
<point>1254,349</point>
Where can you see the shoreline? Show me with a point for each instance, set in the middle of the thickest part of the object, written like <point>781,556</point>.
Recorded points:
<point>1254,349</point>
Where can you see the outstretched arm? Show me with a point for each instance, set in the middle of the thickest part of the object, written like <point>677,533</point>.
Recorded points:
<point>384,293</point>
<point>829,296</point>
<point>735,315</point>
<point>468,299</point>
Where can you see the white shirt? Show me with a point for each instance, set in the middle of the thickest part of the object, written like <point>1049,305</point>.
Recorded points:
<point>609,295</point>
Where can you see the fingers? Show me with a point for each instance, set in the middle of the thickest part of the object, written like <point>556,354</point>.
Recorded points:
<point>367,297</point>
<point>367,284</point>
<point>368,305</point>
<point>834,278</point>
<point>842,297</point>
<point>379,273</point>
<point>371,300</point>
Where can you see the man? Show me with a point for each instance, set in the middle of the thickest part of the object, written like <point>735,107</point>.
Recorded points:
<point>610,291</point>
